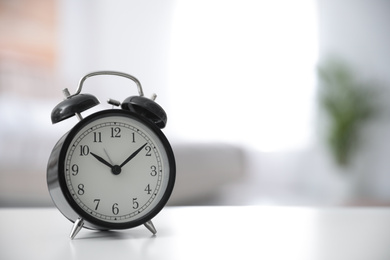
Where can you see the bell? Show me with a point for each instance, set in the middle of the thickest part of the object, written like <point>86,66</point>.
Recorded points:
<point>147,108</point>
<point>72,106</point>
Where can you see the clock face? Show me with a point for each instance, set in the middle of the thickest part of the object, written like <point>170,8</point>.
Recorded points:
<point>117,168</point>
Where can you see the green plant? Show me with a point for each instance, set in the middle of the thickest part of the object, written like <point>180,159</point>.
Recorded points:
<point>348,104</point>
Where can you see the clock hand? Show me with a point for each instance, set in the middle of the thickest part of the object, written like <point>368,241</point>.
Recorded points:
<point>100,159</point>
<point>133,155</point>
<point>108,156</point>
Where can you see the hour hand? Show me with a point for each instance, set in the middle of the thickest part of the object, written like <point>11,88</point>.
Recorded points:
<point>100,159</point>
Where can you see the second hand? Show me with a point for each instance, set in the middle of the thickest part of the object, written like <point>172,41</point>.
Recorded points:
<point>108,156</point>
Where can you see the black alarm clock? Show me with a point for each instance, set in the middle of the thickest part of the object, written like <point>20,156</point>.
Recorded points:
<point>115,169</point>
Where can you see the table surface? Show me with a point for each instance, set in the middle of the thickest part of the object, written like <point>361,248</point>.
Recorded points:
<point>239,232</point>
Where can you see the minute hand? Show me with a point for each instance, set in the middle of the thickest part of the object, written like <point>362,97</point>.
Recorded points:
<point>133,155</point>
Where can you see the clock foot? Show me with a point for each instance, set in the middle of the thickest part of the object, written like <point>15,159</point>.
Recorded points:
<point>78,224</point>
<point>149,225</point>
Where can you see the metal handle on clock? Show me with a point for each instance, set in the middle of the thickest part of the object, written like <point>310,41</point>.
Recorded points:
<point>108,72</point>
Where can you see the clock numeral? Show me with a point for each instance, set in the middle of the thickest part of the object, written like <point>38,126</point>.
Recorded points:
<point>81,189</point>
<point>97,201</point>
<point>97,137</point>
<point>133,135</point>
<point>135,203</point>
<point>148,189</point>
<point>148,150</point>
<point>115,209</point>
<point>154,170</point>
<point>84,150</point>
<point>115,132</point>
<point>75,169</point>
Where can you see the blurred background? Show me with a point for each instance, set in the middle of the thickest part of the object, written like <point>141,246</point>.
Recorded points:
<point>268,102</point>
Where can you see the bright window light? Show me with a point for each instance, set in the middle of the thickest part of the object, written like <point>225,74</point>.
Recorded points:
<point>243,72</point>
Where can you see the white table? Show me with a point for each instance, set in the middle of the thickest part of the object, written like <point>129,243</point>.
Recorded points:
<point>205,233</point>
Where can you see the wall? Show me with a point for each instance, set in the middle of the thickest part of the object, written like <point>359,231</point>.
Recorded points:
<point>127,36</point>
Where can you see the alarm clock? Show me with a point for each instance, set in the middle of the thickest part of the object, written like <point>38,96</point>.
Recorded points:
<point>115,169</point>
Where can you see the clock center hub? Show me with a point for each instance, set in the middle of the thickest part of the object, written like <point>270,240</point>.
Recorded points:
<point>116,169</point>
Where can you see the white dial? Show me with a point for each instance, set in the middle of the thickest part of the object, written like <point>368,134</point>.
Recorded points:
<point>116,169</point>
